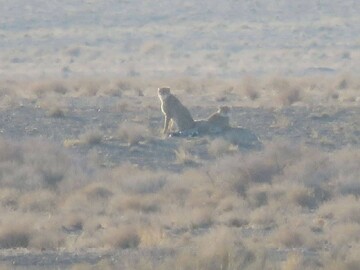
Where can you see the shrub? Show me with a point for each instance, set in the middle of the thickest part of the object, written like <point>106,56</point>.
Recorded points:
<point>290,238</point>
<point>302,196</point>
<point>219,147</point>
<point>91,137</point>
<point>132,133</point>
<point>185,157</point>
<point>15,236</point>
<point>34,163</point>
<point>124,237</point>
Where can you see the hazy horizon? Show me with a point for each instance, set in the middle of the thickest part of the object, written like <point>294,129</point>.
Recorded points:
<point>178,38</point>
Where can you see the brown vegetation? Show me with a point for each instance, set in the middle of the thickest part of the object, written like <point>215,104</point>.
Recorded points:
<point>266,91</point>
<point>300,198</point>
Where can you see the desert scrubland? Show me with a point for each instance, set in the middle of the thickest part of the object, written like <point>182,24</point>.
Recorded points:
<point>88,181</point>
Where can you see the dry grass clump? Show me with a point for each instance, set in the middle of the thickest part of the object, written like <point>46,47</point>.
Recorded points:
<point>14,238</point>
<point>38,201</point>
<point>138,203</point>
<point>313,175</point>
<point>88,87</point>
<point>219,147</point>
<point>8,93</point>
<point>186,221</point>
<point>235,219</point>
<point>324,175</point>
<point>287,92</point>
<point>73,223</point>
<point>201,218</point>
<point>105,264</point>
<point>251,88</point>
<point>261,170</point>
<point>47,239</point>
<point>9,98</point>
<point>227,171</point>
<point>224,252</point>
<point>91,137</point>
<point>132,133</point>
<point>343,257</point>
<point>187,84</point>
<point>290,238</point>
<point>302,196</point>
<point>185,157</point>
<point>97,191</point>
<point>264,217</point>
<point>90,198</point>
<point>9,198</point>
<point>44,88</point>
<point>53,104</point>
<point>71,87</point>
<point>10,152</point>
<point>29,230</point>
<point>152,235</point>
<point>108,87</point>
<point>332,264</point>
<point>345,234</point>
<point>276,91</point>
<point>312,172</point>
<point>296,231</point>
<point>16,231</point>
<point>239,171</point>
<point>232,211</point>
<point>347,161</point>
<point>129,84</point>
<point>123,237</point>
<point>258,195</point>
<point>294,261</point>
<point>56,112</point>
<point>341,209</point>
<point>140,181</point>
<point>34,164</point>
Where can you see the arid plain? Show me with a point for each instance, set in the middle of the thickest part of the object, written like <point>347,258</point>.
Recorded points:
<point>88,181</point>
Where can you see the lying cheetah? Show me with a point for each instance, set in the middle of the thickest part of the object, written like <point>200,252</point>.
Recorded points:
<point>215,123</point>
<point>220,120</point>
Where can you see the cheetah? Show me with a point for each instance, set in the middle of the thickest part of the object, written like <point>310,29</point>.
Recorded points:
<point>215,123</point>
<point>174,111</point>
<point>220,120</point>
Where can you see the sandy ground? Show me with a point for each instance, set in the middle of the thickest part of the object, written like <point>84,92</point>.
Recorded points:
<point>323,127</point>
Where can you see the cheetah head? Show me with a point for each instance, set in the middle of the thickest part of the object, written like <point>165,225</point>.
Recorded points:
<point>224,110</point>
<point>164,92</point>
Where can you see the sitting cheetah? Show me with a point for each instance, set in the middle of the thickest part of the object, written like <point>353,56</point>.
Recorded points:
<point>174,111</point>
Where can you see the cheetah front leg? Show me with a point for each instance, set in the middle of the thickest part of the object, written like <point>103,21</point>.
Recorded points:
<point>166,124</point>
